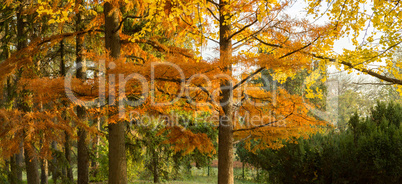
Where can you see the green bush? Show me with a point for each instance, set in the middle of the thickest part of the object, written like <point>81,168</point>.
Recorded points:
<point>368,151</point>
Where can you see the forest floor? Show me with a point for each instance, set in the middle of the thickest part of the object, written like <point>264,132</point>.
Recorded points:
<point>201,176</point>
<point>195,180</point>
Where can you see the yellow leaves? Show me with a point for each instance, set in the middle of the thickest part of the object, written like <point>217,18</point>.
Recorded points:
<point>59,15</point>
<point>316,75</point>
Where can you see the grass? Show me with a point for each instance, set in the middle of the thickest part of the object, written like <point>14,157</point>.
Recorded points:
<point>196,176</point>
<point>200,176</point>
<point>195,180</point>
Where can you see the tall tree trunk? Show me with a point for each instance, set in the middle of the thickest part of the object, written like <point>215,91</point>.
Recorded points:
<point>83,156</point>
<point>15,162</point>
<point>242,167</point>
<point>19,159</point>
<point>67,143</point>
<point>44,171</point>
<point>225,147</point>
<point>155,165</point>
<point>16,166</point>
<point>31,162</point>
<point>54,167</point>
<point>95,145</point>
<point>67,153</point>
<point>15,169</point>
<point>20,45</point>
<point>117,149</point>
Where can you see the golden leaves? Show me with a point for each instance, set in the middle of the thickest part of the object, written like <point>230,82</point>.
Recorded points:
<point>273,117</point>
<point>186,141</point>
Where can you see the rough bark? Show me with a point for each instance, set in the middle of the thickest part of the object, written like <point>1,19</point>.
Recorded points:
<point>117,149</point>
<point>83,155</point>
<point>225,147</point>
<point>31,163</point>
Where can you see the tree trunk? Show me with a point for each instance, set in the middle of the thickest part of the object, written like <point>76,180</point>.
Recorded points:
<point>67,153</point>
<point>31,163</point>
<point>95,145</point>
<point>155,165</point>
<point>225,150</point>
<point>67,145</point>
<point>15,162</point>
<point>117,149</point>
<point>16,168</point>
<point>242,167</point>
<point>225,147</point>
<point>54,166</point>
<point>44,171</point>
<point>19,159</point>
<point>83,156</point>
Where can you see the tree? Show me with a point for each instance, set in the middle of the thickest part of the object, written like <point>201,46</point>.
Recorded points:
<point>82,147</point>
<point>253,23</point>
<point>378,23</point>
<point>117,151</point>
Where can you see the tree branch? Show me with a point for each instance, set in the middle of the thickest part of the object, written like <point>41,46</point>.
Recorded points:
<point>262,68</point>
<point>367,71</point>
<point>248,77</point>
<point>212,13</point>
<point>124,19</point>
<point>242,29</point>
<point>211,1</point>
<point>372,83</point>
<point>267,124</point>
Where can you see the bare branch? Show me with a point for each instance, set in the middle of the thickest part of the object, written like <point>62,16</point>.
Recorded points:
<point>301,48</point>
<point>214,3</point>
<point>124,19</point>
<point>212,13</point>
<point>210,98</point>
<point>367,71</point>
<point>238,141</point>
<point>248,77</point>
<point>372,83</point>
<point>212,40</point>
<point>242,29</point>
